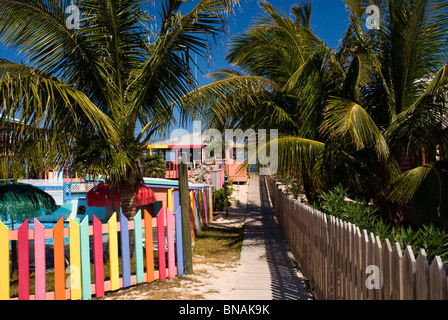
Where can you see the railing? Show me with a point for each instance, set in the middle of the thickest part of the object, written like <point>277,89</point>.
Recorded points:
<point>343,262</point>
<point>86,246</point>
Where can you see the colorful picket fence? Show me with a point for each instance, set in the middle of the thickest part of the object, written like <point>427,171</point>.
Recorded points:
<point>201,210</point>
<point>86,248</point>
<point>217,178</point>
<point>201,207</point>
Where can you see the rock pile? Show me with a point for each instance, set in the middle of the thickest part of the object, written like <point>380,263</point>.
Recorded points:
<point>201,175</point>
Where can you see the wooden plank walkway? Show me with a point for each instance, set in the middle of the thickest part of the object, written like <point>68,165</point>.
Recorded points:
<point>266,271</point>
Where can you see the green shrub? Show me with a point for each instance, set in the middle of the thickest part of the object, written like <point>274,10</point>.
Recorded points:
<point>335,203</point>
<point>428,237</point>
<point>219,199</point>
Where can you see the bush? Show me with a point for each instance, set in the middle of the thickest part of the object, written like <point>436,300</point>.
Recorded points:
<point>335,203</point>
<point>219,198</point>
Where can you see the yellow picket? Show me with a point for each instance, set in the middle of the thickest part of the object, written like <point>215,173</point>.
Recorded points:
<point>75,260</point>
<point>113,253</point>
<point>4,262</point>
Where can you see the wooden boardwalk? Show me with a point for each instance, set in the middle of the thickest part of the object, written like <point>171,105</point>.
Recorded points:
<point>266,270</point>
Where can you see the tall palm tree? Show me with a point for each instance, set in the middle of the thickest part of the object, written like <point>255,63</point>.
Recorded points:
<point>304,73</point>
<point>94,96</point>
<point>356,111</point>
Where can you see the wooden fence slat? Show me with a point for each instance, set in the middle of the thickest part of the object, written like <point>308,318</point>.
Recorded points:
<point>86,290</point>
<point>179,247</point>
<point>211,203</point>
<point>359,264</point>
<point>98,260</point>
<point>437,280</point>
<point>204,205</point>
<point>39,261</point>
<point>199,208</point>
<point>170,243</point>
<point>350,271</point>
<point>139,268</point>
<point>396,273</point>
<point>5,293</point>
<point>161,244</point>
<point>125,254</point>
<point>59,260</point>
<point>75,260</point>
<point>422,276</point>
<point>409,274</point>
<point>149,247</point>
<point>192,218</point>
<point>371,261</point>
<point>113,253</point>
<point>386,270</point>
<point>379,262</point>
<point>334,256</point>
<point>24,261</point>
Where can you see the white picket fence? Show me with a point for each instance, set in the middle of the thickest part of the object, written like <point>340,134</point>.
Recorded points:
<point>343,262</point>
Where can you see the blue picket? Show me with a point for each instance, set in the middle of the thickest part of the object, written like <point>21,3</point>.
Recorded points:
<point>179,247</point>
<point>125,256</point>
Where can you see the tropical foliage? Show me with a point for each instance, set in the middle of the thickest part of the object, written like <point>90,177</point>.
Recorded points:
<point>429,237</point>
<point>351,116</point>
<point>93,97</point>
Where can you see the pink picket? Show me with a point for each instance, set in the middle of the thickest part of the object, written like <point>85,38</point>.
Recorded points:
<point>161,244</point>
<point>24,261</point>
<point>39,260</point>
<point>170,243</point>
<point>98,257</point>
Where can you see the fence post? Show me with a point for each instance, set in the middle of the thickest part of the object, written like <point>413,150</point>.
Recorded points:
<point>437,278</point>
<point>185,213</point>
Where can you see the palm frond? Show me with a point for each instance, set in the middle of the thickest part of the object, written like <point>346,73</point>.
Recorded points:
<point>344,117</point>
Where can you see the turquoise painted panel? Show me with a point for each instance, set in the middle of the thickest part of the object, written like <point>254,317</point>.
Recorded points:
<point>139,268</point>
<point>85,259</point>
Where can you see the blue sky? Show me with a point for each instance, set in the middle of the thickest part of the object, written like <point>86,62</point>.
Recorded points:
<point>329,21</point>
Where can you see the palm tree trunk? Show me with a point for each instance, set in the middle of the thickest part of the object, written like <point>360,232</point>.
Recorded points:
<point>309,188</point>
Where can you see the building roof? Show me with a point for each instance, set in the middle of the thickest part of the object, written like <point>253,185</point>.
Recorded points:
<point>192,140</point>
<point>189,140</point>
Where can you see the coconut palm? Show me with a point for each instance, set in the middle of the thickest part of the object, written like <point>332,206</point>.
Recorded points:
<point>94,96</point>
<point>358,110</point>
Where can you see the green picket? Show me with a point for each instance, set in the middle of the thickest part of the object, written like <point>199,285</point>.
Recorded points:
<point>139,269</point>
<point>85,259</point>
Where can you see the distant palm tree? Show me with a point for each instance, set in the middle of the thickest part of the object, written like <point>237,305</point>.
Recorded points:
<point>155,166</point>
<point>93,97</point>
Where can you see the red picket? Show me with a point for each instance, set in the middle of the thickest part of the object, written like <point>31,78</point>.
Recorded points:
<point>24,261</point>
<point>98,257</point>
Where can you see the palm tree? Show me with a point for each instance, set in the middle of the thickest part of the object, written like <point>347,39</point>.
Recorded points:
<point>399,105</point>
<point>304,73</point>
<point>356,111</point>
<point>94,97</point>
